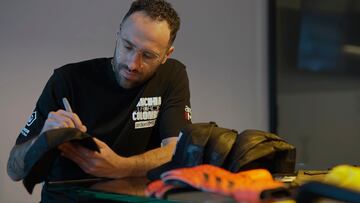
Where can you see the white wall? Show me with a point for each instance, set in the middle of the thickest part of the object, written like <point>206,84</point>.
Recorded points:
<point>223,44</point>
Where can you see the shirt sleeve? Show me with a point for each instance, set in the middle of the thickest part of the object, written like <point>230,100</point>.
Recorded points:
<point>49,100</point>
<point>176,110</point>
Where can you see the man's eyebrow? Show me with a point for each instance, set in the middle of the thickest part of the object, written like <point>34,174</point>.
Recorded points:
<point>127,41</point>
<point>146,50</point>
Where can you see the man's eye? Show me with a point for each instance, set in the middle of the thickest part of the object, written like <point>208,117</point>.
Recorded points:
<point>127,47</point>
<point>149,55</point>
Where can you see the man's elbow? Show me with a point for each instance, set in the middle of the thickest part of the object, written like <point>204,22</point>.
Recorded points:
<point>15,166</point>
<point>169,141</point>
<point>16,161</point>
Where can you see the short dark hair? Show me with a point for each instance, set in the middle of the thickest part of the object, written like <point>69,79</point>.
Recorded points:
<point>157,10</point>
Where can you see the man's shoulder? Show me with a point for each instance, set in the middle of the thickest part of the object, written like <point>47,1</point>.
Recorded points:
<point>172,68</point>
<point>171,62</point>
<point>85,66</point>
<point>169,74</point>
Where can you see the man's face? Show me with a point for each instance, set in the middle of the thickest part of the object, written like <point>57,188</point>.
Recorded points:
<point>142,45</point>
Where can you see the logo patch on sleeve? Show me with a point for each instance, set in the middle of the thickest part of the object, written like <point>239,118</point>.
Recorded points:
<point>31,119</point>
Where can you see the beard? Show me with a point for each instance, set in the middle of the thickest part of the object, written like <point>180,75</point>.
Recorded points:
<point>128,78</point>
<point>120,71</point>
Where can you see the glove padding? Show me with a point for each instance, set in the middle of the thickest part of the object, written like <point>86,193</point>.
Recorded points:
<point>243,186</point>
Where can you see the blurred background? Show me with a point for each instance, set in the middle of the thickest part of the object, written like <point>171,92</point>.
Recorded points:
<point>316,52</point>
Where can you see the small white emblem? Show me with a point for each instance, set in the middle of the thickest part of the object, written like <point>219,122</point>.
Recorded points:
<point>187,113</point>
<point>31,119</point>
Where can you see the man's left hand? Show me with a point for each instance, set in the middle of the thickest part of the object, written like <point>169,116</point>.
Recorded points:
<point>104,164</point>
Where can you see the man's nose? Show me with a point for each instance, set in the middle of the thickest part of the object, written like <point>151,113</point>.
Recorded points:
<point>135,61</point>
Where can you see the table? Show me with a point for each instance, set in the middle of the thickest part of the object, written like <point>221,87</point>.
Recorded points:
<point>132,190</point>
<point>124,190</point>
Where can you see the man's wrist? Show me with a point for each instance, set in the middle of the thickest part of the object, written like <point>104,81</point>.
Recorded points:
<point>137,166</point>
<point>126,167</point>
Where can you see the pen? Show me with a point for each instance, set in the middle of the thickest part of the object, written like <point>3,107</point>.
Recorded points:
<point>66,105</point>
<point>89,142</point>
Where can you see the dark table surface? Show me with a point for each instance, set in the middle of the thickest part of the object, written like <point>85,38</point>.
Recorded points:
<point>125,190</point>
<point>133,189</point>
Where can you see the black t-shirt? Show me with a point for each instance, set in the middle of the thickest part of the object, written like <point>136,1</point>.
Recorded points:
<point>130,121</point>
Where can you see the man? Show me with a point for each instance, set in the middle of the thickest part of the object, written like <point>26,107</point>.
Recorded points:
<point>131,103</point>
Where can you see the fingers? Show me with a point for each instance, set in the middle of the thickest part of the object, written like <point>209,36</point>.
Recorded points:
<point>86,159</point>
<point>104,164</point>
<point>78,124</point>
<point>100,143</point>
<point>76,153</point>
<point>63,119</point>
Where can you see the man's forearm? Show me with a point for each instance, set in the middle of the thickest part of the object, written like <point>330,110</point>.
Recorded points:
<point>142,163</point>
<point>15,164</point>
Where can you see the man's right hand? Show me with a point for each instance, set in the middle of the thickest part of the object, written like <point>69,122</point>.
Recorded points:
<point>63,119</point>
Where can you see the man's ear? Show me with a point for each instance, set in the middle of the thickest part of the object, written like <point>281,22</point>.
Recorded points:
<point>168,54</point>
